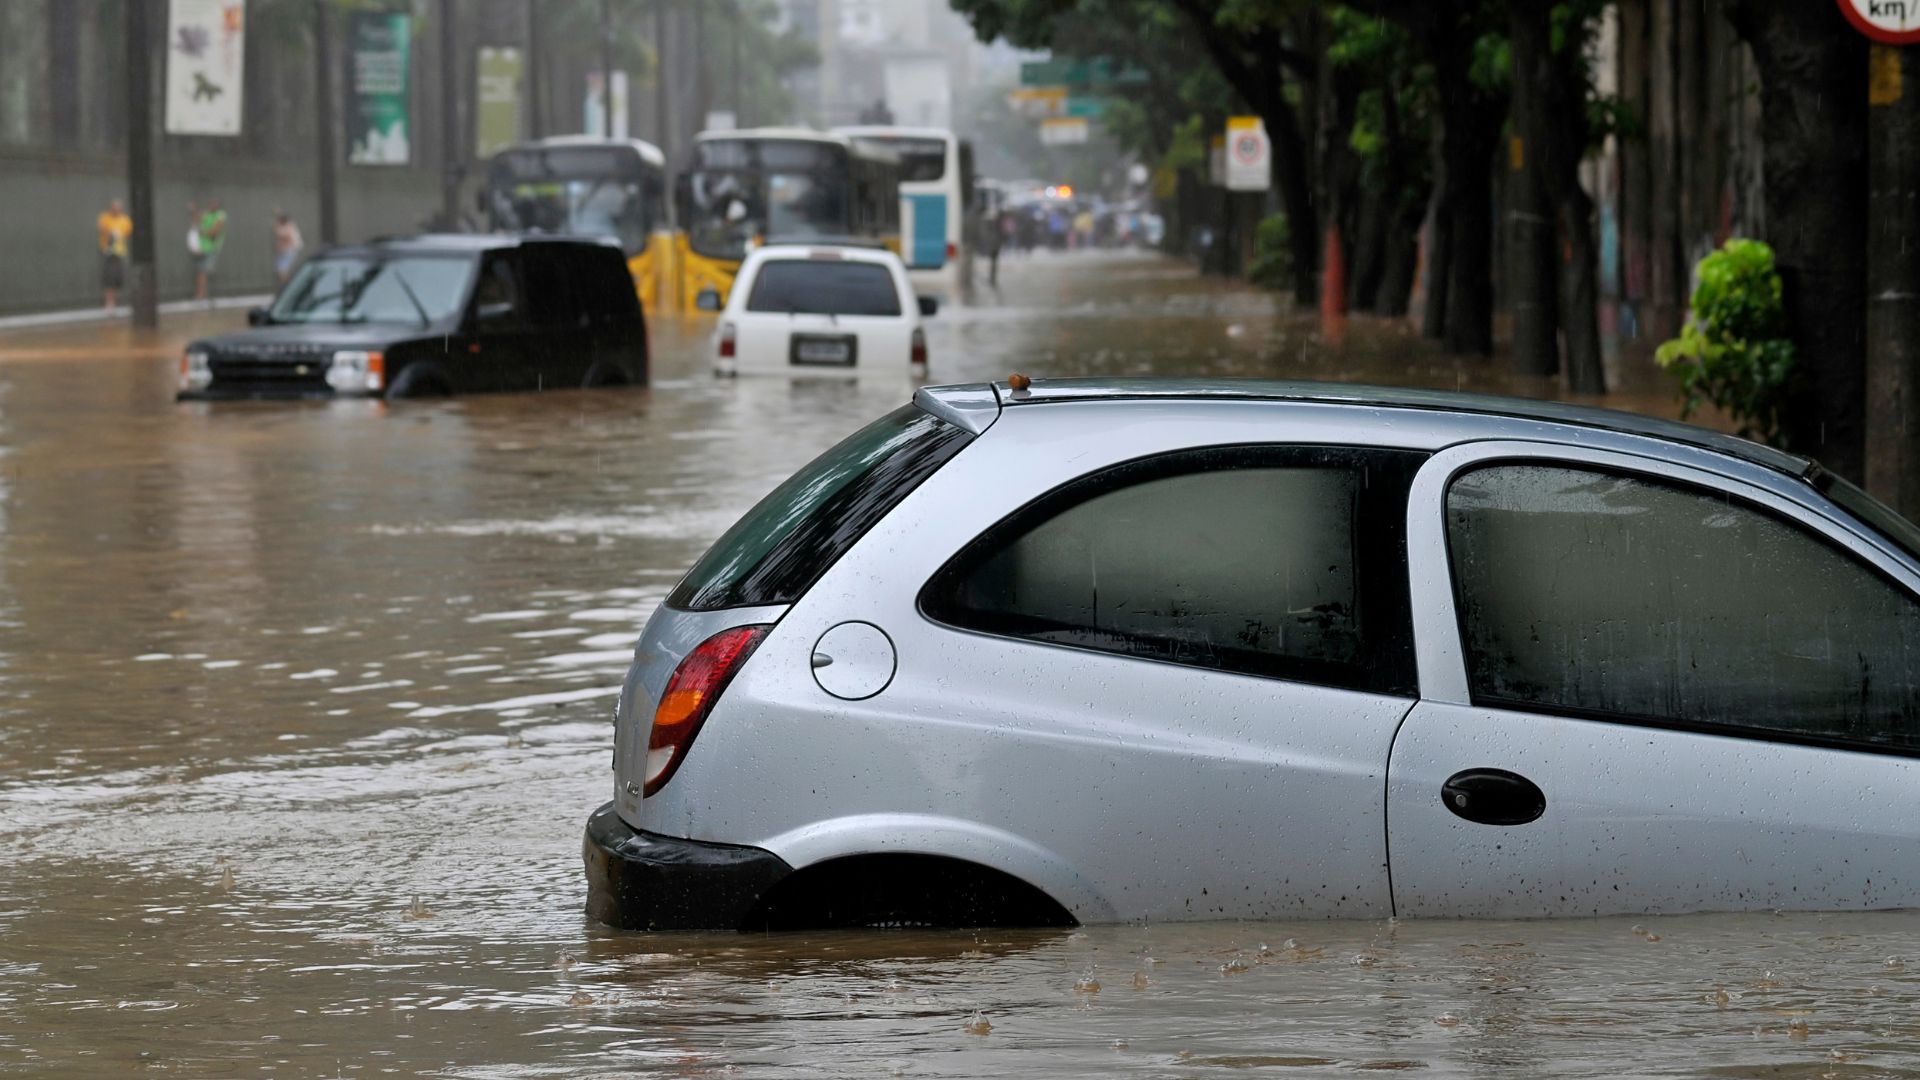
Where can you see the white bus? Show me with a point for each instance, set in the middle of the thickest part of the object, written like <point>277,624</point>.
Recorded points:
<point>937,214</point>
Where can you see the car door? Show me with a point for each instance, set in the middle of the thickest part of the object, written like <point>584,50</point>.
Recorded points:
<point>497,355</point>
<point>1649,688</point>
<point>558,348</point>
<point>1177,672</point>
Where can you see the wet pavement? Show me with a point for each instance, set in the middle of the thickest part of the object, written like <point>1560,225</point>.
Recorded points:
<point>305,706</point>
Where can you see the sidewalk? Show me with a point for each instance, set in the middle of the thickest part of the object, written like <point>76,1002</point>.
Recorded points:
<point>100,314</point>
<point>95,335</point>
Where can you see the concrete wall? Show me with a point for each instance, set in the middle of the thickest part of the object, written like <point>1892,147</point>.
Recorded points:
<point>48,254</point>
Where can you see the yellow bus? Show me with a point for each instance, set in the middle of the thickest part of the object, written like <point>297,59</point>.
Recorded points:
<point>583,185</point>
<point>778,185</point>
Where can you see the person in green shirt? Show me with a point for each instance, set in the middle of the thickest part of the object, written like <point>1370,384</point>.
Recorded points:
<point>213,233</point>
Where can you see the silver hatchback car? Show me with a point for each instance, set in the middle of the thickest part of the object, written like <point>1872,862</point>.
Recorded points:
<point>1091,651</point>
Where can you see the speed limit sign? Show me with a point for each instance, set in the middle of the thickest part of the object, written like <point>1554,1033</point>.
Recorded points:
<point>1893,22</point>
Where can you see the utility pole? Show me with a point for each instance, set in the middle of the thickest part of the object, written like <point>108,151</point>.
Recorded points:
<point>1893,275</point>
<point>536,123</point>
<point>739,31</point>
<point>449,120</point>
<point>662,113</point>
<point>146,310</point>
<point>606,69</point>
<point>324,123</point>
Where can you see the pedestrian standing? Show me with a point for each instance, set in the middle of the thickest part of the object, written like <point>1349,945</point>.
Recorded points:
<point>193,243</point>
<point>212,231</point>
<point>115,228</point>
<point>286,246</point>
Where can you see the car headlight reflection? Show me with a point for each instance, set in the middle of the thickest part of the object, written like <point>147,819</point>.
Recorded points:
<point>353,371</point>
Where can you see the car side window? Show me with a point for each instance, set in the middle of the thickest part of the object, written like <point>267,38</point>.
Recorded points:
<point>1594,592</point>
<point>496,299</point>
<point>1288,562</point>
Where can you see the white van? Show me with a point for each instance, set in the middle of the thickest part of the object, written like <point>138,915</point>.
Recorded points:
<point>816,309</point>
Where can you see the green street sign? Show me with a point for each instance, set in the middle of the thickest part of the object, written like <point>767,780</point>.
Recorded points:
<point>1090,107</point>
<point>1067,71</point>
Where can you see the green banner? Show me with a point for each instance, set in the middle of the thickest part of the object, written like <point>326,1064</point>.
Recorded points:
<point>497,117</point>
<point>1080,74</point>
<point>379,125</point>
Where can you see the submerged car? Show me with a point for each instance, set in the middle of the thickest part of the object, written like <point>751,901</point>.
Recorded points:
<point>820,310</point>
<point>431,316</point>
<point>1090,651</point>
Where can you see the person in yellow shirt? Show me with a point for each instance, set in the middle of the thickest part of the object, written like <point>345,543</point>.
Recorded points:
<point>115,228</point>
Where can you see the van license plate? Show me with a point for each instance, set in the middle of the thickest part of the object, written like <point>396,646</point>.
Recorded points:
<point>823,351</point>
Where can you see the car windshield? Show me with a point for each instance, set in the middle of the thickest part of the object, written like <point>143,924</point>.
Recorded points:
<point>411,289</point>
<point>824,287</point>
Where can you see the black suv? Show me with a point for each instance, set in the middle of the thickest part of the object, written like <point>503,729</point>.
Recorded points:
<point>434,315</point>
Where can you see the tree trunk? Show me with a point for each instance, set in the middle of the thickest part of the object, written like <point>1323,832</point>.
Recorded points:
<point>1813,124</point>
<point>1402,262</point>
<point>1296,197</point>
<point>1580,294</point>
<point>1532,249</point>
<point>1565,146</point>
<point>1433,321</point>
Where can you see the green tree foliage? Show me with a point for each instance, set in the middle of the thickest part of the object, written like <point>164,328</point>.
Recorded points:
<point>1733,352</point>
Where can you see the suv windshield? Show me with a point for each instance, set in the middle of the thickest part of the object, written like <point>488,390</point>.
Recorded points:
<point>414,289</point>
<point>782,546</point>
<point>824,287</point>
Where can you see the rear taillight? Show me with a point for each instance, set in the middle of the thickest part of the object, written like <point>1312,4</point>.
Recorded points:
<point>726,341</point>
<point>695,686</point>
<point>919,349</point>
<point>953,250</point>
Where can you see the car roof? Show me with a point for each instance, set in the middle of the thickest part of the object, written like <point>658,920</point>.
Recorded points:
<point>457,243</point>
<point>826,251</point>
<point>973,405</point>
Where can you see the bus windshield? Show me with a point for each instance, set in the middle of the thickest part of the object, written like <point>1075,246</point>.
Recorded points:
<point>579,191</point>
<point>921,160</point>
<point>767,190</point>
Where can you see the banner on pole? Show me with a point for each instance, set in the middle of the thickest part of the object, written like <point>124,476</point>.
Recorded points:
<point>206,62</point>
<point>498,94</point>
<point>596,105</point>
<point>379,124</point>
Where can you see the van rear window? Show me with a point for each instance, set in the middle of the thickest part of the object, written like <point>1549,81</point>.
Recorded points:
<point>824,287</point>
<point>781,547</point>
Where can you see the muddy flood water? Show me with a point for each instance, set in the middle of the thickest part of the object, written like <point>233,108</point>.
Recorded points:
<point>305,707</point>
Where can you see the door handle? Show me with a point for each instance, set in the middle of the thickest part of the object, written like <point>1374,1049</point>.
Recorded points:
<point>1493,797</point>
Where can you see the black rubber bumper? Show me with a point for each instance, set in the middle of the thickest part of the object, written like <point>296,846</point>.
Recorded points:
<point>640,881</point>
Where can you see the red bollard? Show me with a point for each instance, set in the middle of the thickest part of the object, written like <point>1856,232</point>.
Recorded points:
<point>1333,290</point>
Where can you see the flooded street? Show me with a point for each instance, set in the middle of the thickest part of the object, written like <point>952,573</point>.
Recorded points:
<point>306,706</point>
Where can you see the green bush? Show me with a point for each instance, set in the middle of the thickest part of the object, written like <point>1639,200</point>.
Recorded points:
<point>1734,352</point>
<point>1272,265</point>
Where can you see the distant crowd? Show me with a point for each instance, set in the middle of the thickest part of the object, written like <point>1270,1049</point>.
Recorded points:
<point>206,237</point>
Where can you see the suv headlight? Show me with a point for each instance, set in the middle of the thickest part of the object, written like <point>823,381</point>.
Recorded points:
<point>194,372</point>
<point>354,371</point>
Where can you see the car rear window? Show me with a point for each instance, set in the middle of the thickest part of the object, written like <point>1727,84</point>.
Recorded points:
<point>824,287</point>
<point>782,546</point>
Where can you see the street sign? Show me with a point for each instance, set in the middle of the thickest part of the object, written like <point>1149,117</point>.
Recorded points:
<point>1063,131</point>
<point>1891,22</point>
<point>1065,71</point>
<point>1249,154</point>
<point>1037,102</point>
